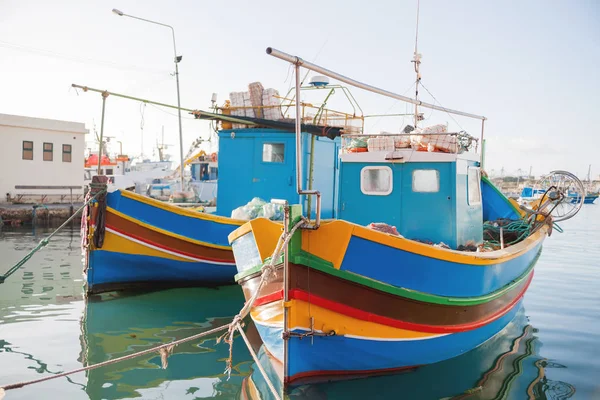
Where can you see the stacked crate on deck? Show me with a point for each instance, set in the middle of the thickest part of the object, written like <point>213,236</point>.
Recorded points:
<point>270,100</point>
<point>251,103</point>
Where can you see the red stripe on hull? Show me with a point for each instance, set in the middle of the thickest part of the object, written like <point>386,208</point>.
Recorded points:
<point>141,239</point>
<point>317,376</point>
<point>367,316</point>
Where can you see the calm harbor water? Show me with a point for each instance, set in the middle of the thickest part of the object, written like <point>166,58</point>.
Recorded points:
<point>550,351</point>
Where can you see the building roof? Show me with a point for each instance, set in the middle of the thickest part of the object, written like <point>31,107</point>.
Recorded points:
<point>42,123</point>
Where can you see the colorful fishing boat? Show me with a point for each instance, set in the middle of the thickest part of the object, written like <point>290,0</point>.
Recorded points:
<point>130,240</point>
<point>509,365</point>
<point>435,262</point>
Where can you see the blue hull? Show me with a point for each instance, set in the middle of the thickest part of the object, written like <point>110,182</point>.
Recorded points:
<point>107,268</point>
<point>327,356</point>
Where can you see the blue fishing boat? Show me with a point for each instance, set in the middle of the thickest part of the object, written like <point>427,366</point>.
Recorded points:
<point>131,240</point>
<point>424,260</point>
<point>507,366</point>
<point>588,198</point>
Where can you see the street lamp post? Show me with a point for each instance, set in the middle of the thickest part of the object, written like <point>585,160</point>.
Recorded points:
<point>177,59</point>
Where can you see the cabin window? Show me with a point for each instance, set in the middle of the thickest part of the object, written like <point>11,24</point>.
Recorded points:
<point>376,181</point>
<point>27,150</point>
<point>66,153</point>
<point>48,151</point>
<point>273,152</point>
<point>474,186</point>
<point>426,180</point>
<point>109,171</point>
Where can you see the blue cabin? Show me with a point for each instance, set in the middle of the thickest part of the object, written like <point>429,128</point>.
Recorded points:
<point>260,162</point>
<point>428,196</point>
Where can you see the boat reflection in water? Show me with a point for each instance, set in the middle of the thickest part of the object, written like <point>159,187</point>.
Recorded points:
<point>116,325</point>
<point>505,367</point>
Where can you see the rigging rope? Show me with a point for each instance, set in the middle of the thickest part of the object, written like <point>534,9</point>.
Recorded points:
<point>165,349</point>
<point>45,241</point>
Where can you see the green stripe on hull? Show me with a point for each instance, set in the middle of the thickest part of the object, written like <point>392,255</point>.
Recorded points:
<point>324,266</point>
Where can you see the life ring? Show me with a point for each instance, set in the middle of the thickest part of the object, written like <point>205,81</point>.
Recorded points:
<point>213,157</point>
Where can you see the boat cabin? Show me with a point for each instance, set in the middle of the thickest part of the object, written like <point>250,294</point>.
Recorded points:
<point>434,197</point>
<point>260,162</point>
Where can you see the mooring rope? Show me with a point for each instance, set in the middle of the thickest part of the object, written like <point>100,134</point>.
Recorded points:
<point>46,240</point>
<point>165,349</point>
<point>266,272</point>
<point>165,346</point>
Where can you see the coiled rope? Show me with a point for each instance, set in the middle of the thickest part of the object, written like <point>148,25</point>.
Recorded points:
<point>46,240</point>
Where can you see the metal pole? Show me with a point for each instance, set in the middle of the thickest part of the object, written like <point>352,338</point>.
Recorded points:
<point>299,156</point>
<point>104,96</point>
<point>179,115</point>
<point>195,112</point>
<point>286,289</point>
<point>298,134</point>
<point>121,155</point>
<point>482,142</point>
<point>297,60</point>
<point>176,59</point>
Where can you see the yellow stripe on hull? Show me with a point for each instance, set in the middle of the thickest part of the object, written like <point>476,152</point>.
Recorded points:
<point>120,244</point>
<point>179,210</point>
<point>319,243</point>
<point>331,240</point>
<point>164,232</point>
<point>326,321</point>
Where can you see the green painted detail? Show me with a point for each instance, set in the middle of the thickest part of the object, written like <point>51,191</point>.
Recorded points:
<point>295,245</point>
<point>420,296</point>
<point>483,178</point>
<point>319,264</point>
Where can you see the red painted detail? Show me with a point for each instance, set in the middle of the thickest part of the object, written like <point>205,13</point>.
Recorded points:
<point>269,298</point>
<point>367,316</point>
<point>141,239</point>
<point>308,377</point>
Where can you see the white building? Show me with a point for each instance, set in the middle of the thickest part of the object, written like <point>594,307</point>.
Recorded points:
<point>40,152</point>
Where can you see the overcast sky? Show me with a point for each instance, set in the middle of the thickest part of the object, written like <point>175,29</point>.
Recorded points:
<point>531,67</point>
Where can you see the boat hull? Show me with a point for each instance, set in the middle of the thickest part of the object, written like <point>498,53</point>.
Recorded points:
<point>347,318</point>
<point>147,243</point>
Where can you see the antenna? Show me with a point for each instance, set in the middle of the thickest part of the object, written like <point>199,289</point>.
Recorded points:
<point>417,61</point>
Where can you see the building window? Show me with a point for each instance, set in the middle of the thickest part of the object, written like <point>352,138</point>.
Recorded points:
<point>109,171</point>
<point>48,151</point>
<point>27,150</point>
<point>273,152</point>
<point>376,181</point>
<point>66,154</point>
<point>474,186</point>
<point>426,180</point>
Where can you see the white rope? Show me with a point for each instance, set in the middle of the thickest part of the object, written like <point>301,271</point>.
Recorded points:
<point>162,347</point>
<point>266,273</point>
<point>165,349</point>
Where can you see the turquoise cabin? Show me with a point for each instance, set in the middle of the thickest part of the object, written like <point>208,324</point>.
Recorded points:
<point>428,196</point>
<point>260,162</point>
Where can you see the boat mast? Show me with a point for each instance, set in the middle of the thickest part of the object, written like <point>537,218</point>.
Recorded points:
<point>417,61</point>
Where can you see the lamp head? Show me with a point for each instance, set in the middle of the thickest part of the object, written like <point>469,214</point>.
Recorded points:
<point>119,13</point>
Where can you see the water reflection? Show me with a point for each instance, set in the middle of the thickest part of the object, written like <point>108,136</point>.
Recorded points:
<point>507,366</point>
<point>117,325</point>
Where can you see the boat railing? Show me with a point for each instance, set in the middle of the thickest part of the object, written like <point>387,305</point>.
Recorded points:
<point>444,142</point>
<point>310,114</point>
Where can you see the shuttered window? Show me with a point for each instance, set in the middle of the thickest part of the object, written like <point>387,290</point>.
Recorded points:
<point>48,151</point>
<point>27,150</point>
<point>66,153</point>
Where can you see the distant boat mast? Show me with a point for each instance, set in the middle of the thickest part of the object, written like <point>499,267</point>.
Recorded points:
<point>417,61</point>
